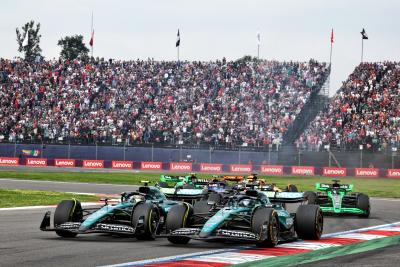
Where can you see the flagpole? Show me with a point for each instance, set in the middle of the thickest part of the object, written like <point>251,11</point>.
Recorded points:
<point>178,52</point>
<point>258,51</point>
<point>362,49</point>
<point>91,32</point>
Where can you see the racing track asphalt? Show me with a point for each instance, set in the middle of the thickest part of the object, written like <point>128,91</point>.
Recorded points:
<point>22,243</point>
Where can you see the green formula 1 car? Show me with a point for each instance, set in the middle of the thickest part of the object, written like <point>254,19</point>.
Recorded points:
<point>338,198</point>
<point>139,214</point>
<point>251,216</point>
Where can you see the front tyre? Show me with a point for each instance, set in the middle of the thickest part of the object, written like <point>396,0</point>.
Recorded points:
<point>146,217</point>
<point>363,204</point>
<point>265,224</point>
<point>309,222</point>
<point>67,211</point>
<point>178,217</point>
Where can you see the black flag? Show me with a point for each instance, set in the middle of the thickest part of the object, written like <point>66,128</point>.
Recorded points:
<point>178,39</point>
<point>364,34</point>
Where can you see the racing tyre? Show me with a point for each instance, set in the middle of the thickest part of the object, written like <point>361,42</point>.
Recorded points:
<point>178,217</point>
<point>215,197</point>
<point>291,188</point>
<point>151,217</point>
<point>311,197</point>
<point>363,204</point>
<point>265,223</point>
<point>67,211</point>
<point>163,185</point>
<point>309,222</point>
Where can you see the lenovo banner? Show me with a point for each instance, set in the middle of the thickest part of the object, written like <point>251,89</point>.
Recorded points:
<point>241,168</point>
<point>121,164</point>
<point>180,166</point>
<point>366,172</point>
<point>9,161</point>
<point>303,170</point>
<point>393,173</point>
<point>328,171</point>
<point>91,163</point>
<point>208,167</point>
<point>36,162</point>
<point>149,165</point>
<point>64,162</point>
<point>271,169</point>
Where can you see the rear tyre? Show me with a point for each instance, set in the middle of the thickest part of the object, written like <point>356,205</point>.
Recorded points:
<point>178,217</point>
<point>67,211</point>
<point>265,224</point>
<point>291,188</point>
<point>309,222</point>
<point>311,197</point>
<point>151,218</point>
<point>363,204</point>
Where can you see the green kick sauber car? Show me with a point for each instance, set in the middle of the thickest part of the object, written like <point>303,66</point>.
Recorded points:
<point>338,198</point>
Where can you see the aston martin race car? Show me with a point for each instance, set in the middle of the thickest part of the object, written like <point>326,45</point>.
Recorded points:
<point>140,214</point>
<point>338,198</point>
<point>251,216</point>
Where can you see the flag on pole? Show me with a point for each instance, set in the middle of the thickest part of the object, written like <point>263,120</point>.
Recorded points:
<point>178,39</point>
<point>91,39</point>
<point>258,38</point>
<point>332,38</point>
<point>26,39</point>
<point>364,35</point>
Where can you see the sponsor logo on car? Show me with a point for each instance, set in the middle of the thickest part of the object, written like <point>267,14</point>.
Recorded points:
<point>36,162</point>
<point>114,228</point>
<point>328,171</point>
<point>366,172</point>
<point>241,168</point>
<point>64,162</point>
<point>207,167</point>
<point>121,164</point>
<point>9,161</point>
<point>272,169</point>
<point>149,165</point>
<point>238,234</point>
<point>180,166</point>
<point>93,164</point>
<point>303,170</point>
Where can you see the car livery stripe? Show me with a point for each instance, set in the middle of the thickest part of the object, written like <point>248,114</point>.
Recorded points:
<point>352,241</point>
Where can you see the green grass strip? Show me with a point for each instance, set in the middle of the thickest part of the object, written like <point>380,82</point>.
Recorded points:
<point>324,254</point>
<point>21,198</point>
<point>377,187</point>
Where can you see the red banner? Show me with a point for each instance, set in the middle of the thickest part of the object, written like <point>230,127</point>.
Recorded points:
<point>241,168</point>
<point>36,162</point>
<point>149,165</point>
<point>121,164</point>
<point>180,166</point>
<point>208,167</point>
<point>303,170</point>
<point>328,171</point>
<point>393,173</point>
<point>366,172</point>
<point>9,161</point>
<point>272,169</point>
<point>64,162</point>
<point>92,163</point>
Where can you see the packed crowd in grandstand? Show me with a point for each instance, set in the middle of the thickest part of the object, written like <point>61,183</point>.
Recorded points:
<point>250,102</point>
<point>365,111</point>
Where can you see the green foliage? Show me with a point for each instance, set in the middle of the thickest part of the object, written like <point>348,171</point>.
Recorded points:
<point>32,50</point>
<point>72,47</point>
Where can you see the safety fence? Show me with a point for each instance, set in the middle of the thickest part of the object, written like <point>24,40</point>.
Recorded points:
<point>202,167</point>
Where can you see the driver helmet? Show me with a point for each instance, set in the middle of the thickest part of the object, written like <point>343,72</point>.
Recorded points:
<point>136,198</point>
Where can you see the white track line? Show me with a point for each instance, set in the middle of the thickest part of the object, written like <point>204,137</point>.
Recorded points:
<point>48,206</point>
<point>58,182</point>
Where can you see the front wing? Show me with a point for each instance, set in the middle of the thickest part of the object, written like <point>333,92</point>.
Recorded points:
<point>221,234</point>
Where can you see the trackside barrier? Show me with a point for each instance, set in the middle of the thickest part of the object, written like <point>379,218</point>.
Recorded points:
<point>203,167</point>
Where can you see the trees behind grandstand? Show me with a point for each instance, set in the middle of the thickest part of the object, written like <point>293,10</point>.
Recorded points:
<point>28,39</point>
<point>72,47</point>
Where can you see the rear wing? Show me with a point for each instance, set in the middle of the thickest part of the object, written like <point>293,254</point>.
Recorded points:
<point>170,178</point>
<point>232,178</point>
<point>182,193</point>
<point>285,197</point>
<point>325,187</point>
